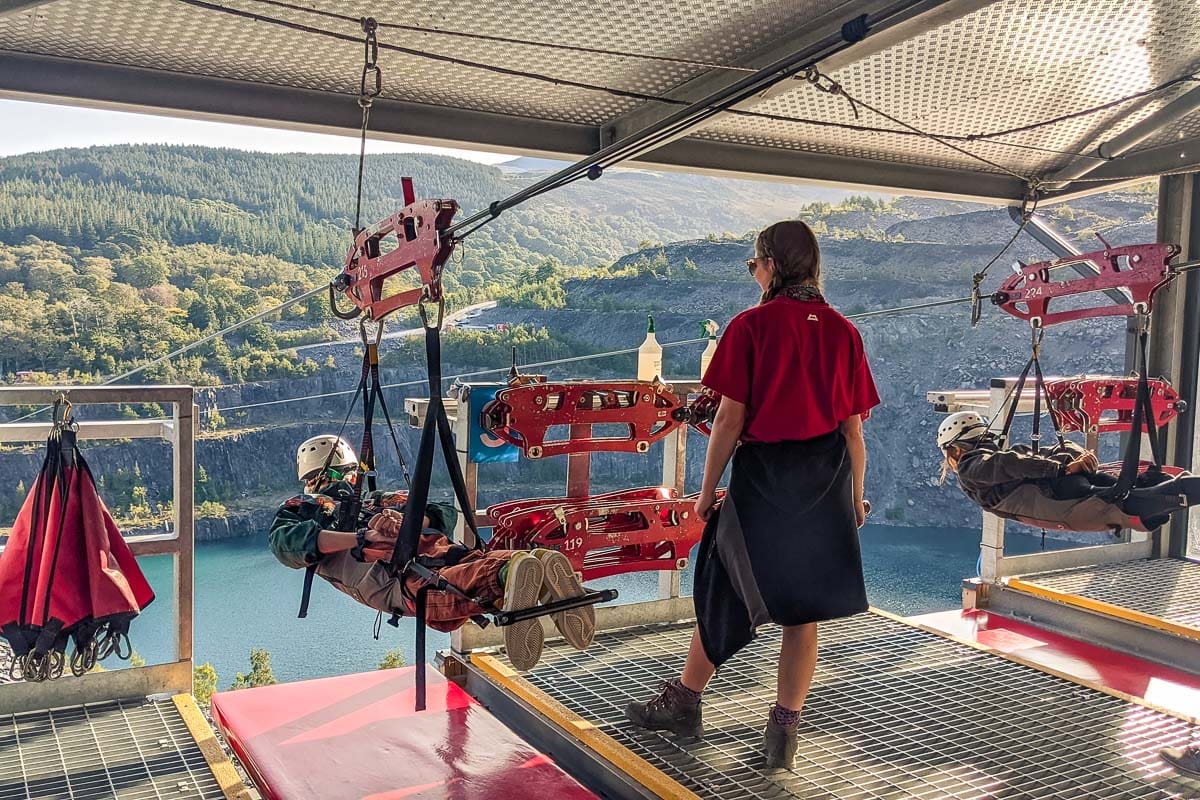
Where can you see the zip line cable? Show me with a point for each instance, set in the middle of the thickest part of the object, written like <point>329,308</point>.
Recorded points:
<point>261,315</point>
<point>824,83</point>
<point>642,96</point>
<point>572,359</point>
<point>484,37</point>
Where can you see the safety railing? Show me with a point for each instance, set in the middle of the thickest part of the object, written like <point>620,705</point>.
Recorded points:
<point>178,430</point>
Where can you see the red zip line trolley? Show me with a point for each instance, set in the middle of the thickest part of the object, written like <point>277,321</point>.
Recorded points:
<point>423,243</point>
<point>1096,404</point>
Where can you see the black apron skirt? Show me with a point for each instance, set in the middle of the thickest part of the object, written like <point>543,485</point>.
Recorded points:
<point>783,547</point>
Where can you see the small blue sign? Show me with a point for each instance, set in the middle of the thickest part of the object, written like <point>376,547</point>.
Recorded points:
<point>486,448</point>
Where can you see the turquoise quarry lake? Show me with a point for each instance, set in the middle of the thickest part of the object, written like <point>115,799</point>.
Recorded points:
<point>245,599</point>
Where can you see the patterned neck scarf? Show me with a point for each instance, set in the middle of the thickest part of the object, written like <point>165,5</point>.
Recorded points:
<point>801,291</point>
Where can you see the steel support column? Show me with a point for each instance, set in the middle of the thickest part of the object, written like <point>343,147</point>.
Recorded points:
<point>1175,336</point>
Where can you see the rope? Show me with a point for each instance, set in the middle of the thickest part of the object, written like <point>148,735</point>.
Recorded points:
<point>644,97</point>
<point>824,83</point>
<point>482,37</point>
<point>571,359</point>
<point>1189,78</point>
<point>1028,209</point>
<point>461,62</point>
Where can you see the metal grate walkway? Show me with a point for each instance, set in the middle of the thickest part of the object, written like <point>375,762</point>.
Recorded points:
<point>895,712</point>
<point>126,750</point>
<point>1162,593</point>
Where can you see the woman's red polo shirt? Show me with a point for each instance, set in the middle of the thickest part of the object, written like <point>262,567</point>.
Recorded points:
<point>798,366</point>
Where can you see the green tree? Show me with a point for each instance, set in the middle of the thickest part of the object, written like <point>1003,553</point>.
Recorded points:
<point>144,270</point>
<point>392,659</point>
<point>260,671</point>
<point>204,684</point>
<point>199,315</point>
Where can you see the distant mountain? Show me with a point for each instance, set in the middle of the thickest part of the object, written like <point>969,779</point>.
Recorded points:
<point>530,164</point>
<point>299,207</point>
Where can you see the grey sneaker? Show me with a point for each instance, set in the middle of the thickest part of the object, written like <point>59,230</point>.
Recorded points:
<point>670,711</point>
<point>578,626</point>
<point>1185,760</point>
<point>779,746</point>
<point>523,640</point>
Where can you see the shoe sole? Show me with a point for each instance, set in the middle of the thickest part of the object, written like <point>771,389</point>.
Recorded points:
<point>1182,769</point>
<point>523,641</point>
<point>578,626</point>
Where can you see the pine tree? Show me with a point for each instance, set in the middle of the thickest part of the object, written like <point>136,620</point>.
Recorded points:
<point>260,671</point>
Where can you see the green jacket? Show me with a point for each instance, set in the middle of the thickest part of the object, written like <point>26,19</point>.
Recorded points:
<point>300,520</point>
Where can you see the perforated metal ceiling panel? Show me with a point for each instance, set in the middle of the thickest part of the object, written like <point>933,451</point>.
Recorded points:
<point>1010,65</point>
<point>173,36</point>
<point>1019,73</point>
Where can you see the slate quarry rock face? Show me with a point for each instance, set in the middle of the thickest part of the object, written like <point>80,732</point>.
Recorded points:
<point>875,256</point>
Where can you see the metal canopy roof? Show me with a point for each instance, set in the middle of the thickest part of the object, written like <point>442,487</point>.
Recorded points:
<point>969,70</point>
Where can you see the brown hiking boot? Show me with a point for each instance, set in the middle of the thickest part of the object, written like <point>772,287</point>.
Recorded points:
<point>779,745</point>
<point>672,710</point>
<point>1185,760</point>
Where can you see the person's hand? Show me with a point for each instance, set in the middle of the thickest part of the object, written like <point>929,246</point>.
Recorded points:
<point>384,527</point>
<point>861,509</point>
<point>704,505</point>
<point>1085,463</point>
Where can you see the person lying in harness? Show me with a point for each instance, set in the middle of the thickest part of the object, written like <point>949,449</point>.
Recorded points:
<point>305,535</point>
<point>1061,488</point>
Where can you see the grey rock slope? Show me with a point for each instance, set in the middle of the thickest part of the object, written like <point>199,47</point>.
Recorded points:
<point>910,251</point>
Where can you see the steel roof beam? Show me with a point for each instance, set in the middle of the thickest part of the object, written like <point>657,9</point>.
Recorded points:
<point>1122,143</point>
<point>1053,240</point>
<point>1181,156</point>
<point>141,90</point>
<point>739,160</point>
<point>96,85</point>
<point>921,18</point>
<point>9,7</point>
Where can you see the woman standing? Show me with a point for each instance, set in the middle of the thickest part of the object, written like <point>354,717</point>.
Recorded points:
<point>783,546</point>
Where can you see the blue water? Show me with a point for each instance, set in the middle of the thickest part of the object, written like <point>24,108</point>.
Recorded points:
<point>245,599</point>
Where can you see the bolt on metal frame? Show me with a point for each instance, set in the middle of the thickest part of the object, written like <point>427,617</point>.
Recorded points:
<point>153,679</point>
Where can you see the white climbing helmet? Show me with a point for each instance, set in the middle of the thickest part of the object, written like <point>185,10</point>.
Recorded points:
<point>962,426</point>
<point>312,456</point>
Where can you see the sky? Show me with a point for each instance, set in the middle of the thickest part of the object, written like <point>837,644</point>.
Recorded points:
<point>32,127</point>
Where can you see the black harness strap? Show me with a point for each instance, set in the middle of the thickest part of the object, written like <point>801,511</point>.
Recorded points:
<point>434,433</point>
<point>370,389</point>
<point>1143,419</point>
<point>1033,365</point>
<point>1015,396</point>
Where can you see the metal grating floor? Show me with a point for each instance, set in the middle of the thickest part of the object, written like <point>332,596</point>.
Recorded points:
<point>895,712</point>
<point>1163,587</point>
<point>125,750</point>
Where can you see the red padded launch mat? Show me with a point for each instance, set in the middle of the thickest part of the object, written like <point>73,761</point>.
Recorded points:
<point>357,736</point>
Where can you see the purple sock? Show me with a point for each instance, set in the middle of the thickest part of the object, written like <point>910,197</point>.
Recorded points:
<point>686,693</point>
<point>785,717</point>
